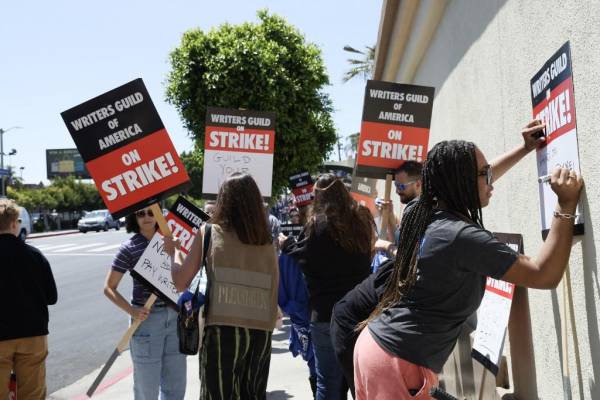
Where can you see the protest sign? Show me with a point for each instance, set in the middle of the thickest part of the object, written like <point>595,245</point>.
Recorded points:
<point>126,148</point>
<point>291,229</point>
<point>493,313</point>
<point>364,191</point>
<point>302,188</point>
<point>553,101</point>
<point>395,127</point>
<point>238,141</point>
<point>153,269</point>
<point>184,220</point>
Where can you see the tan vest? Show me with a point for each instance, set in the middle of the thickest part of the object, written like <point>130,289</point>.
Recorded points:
<point>243,282</point>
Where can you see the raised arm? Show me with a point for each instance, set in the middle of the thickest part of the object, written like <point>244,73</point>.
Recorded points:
<point>184,268</point>
<point>546,271</point>
<point>508,160</point>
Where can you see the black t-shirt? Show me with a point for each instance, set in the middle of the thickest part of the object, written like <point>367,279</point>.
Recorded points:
<point>27,287</point>
<point>453,262</point>
<point>329,270</point>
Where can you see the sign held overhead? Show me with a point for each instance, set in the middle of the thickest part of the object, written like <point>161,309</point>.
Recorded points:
<point>395,127</point>
<point>126,148</point>
<point>238,141</point>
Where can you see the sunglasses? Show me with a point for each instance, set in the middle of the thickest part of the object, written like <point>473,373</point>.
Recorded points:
<point>143,213</point>
<point>487,172</point>
<point>403,186</point>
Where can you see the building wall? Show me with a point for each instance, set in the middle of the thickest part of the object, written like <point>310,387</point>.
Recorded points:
<point>480,60</point>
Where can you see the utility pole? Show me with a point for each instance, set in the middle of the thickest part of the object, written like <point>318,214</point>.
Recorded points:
<point>2,132</point>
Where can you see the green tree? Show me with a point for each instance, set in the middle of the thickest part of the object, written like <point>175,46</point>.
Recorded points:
<point>362,67</point>
<point>266,66</point>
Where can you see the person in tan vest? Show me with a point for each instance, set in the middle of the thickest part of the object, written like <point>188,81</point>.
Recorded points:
<point>243,278</point>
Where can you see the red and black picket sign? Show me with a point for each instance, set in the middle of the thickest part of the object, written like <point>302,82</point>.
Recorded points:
<point>238,141</point>
<point>302,188</point>
<point>184,220</point>
<point>395,127</point>
<point>553,101</point>
<point>364,191</point>
<point>126,148</point>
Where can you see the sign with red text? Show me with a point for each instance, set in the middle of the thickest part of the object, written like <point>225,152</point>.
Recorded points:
<point>302,188</point>
<point>184,220</point>
<point>493,313</point>
<point>395,127</point>
<point>126,148</point>
<point>553,102</point>
<point>238,141</point>
<point>364,191</point>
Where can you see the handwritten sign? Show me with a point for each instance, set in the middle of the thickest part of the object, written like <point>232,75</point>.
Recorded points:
<point>238,141</point>
<point>493,313</point>
<point>553,100</point>
<point>153,269</point>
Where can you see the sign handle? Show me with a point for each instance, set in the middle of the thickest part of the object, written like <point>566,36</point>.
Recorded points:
<point>160,220</point>
<point>122,345</point>
<point>564,334</point>
<point>386,211</point>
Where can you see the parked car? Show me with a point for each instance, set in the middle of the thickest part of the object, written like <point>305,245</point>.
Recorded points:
<point>97,220</point>
<point>25,228</point>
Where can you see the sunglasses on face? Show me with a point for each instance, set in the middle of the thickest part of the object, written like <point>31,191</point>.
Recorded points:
<point>487,172</point>
<point>403,186</point>
<point>143,213</point>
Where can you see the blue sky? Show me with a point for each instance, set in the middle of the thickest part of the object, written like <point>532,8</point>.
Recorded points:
<point>57,54</point>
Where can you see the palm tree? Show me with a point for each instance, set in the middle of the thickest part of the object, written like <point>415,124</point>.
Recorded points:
<point>363,66</point>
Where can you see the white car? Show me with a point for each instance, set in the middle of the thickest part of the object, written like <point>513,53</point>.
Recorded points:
<point>25,228</point>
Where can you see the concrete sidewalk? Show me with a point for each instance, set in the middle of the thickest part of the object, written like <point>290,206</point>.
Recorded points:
<point>288,377</point>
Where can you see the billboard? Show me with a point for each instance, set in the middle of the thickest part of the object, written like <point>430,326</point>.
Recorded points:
<point>65,162</point>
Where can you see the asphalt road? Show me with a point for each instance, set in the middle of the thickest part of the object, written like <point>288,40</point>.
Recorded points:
<point>84,325</point>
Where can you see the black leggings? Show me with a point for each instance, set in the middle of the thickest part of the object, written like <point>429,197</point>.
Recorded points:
<point>234,363</point>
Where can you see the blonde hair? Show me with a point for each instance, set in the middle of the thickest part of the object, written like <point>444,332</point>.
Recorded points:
<point>9,213</point>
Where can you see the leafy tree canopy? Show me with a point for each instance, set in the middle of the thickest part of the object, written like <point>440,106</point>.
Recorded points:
<point>265,66</point>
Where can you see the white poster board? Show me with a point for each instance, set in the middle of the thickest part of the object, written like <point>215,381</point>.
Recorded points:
<point>553,100</point>
<point>493,314</point>
<point>238,141</point>
<point>154,270</point>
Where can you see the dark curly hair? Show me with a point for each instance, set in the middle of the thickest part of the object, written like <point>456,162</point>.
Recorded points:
<point>131,224</point>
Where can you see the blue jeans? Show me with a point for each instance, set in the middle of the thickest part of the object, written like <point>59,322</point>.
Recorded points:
<point>331,384</point>
<point>157,362</point>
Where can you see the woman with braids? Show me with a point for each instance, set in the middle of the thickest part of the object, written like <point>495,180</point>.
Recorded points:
<point>334,253</point>
<point>441,267</point>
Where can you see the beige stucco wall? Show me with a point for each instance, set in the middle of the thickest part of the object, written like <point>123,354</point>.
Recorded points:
<point>480,60</point>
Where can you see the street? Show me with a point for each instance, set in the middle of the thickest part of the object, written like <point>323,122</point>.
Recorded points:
<point>84,326</point>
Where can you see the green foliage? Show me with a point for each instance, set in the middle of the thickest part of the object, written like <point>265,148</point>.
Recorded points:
<point>362,67</point>
<point>193,162</point>
<point>267,66</point>
<point>64,194</point>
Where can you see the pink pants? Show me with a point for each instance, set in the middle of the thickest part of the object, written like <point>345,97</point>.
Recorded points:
<point>379,375</point>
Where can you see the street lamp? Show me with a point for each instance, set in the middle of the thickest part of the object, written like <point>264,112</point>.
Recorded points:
<point>2,132</point>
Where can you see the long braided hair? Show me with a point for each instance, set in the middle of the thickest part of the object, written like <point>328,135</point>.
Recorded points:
<point>449,181</point>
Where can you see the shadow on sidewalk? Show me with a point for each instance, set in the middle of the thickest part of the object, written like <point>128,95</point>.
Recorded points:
<point>278,395</point>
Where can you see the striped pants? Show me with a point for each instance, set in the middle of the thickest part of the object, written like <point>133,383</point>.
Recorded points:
<point>234,363</point>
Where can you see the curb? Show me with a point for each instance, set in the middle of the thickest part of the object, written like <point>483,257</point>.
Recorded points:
<point>50,234</point>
